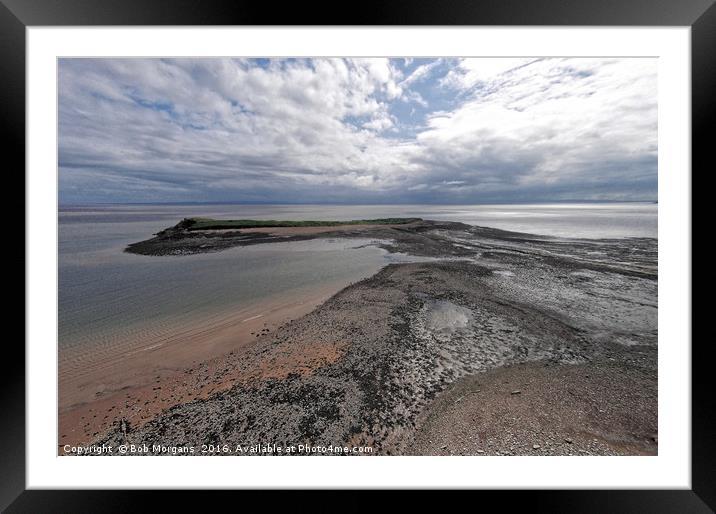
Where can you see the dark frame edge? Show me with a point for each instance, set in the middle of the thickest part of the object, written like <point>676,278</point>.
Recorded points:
<point>372,12</point>
<point>703,85</point>
<point>12,134</point>
<point>702,497</point>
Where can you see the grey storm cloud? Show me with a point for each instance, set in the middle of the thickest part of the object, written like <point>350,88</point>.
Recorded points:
<point>357,130</point>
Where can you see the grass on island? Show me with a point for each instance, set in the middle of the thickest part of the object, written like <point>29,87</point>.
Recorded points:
<point>212,224</point>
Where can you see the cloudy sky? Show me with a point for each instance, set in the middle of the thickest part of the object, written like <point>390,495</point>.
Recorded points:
<point>357,130</point>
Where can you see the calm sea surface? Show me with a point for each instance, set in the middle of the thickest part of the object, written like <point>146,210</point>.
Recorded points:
<point>107,296</point>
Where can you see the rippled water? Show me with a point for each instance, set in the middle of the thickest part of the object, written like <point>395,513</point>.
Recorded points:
<point>107,296</point>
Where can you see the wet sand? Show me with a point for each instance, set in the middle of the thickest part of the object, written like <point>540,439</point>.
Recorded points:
<point>147,375</point>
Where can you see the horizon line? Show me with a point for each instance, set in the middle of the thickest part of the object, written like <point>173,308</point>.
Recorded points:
<point>230,202</point>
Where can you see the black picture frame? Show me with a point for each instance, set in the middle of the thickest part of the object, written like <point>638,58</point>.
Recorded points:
<point>17,15</point>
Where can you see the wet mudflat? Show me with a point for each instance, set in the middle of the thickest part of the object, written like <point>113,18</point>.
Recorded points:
<point>389,361</point>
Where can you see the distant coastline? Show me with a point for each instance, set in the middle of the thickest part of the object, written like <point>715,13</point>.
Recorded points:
<point>64,205</point>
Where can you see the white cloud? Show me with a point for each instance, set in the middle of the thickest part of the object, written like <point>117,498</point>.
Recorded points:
<point>329,129</point>
<point>567,122</point>
<point>414,96</point>
<point>472,71</point>
<point>420,73</point>
<point>379,123</point>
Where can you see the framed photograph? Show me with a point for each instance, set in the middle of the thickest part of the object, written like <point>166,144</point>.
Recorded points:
<point>452,242</point>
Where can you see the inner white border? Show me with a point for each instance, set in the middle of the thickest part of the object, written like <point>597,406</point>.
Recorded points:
<point>672,466</point>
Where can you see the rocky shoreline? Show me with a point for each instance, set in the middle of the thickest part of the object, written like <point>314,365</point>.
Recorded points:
<point>376,363</point>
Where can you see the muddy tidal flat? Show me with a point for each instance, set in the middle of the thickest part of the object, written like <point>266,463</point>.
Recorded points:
<point>495,343</point>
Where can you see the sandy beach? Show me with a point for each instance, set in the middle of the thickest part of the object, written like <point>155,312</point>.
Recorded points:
<point>148,375</point>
